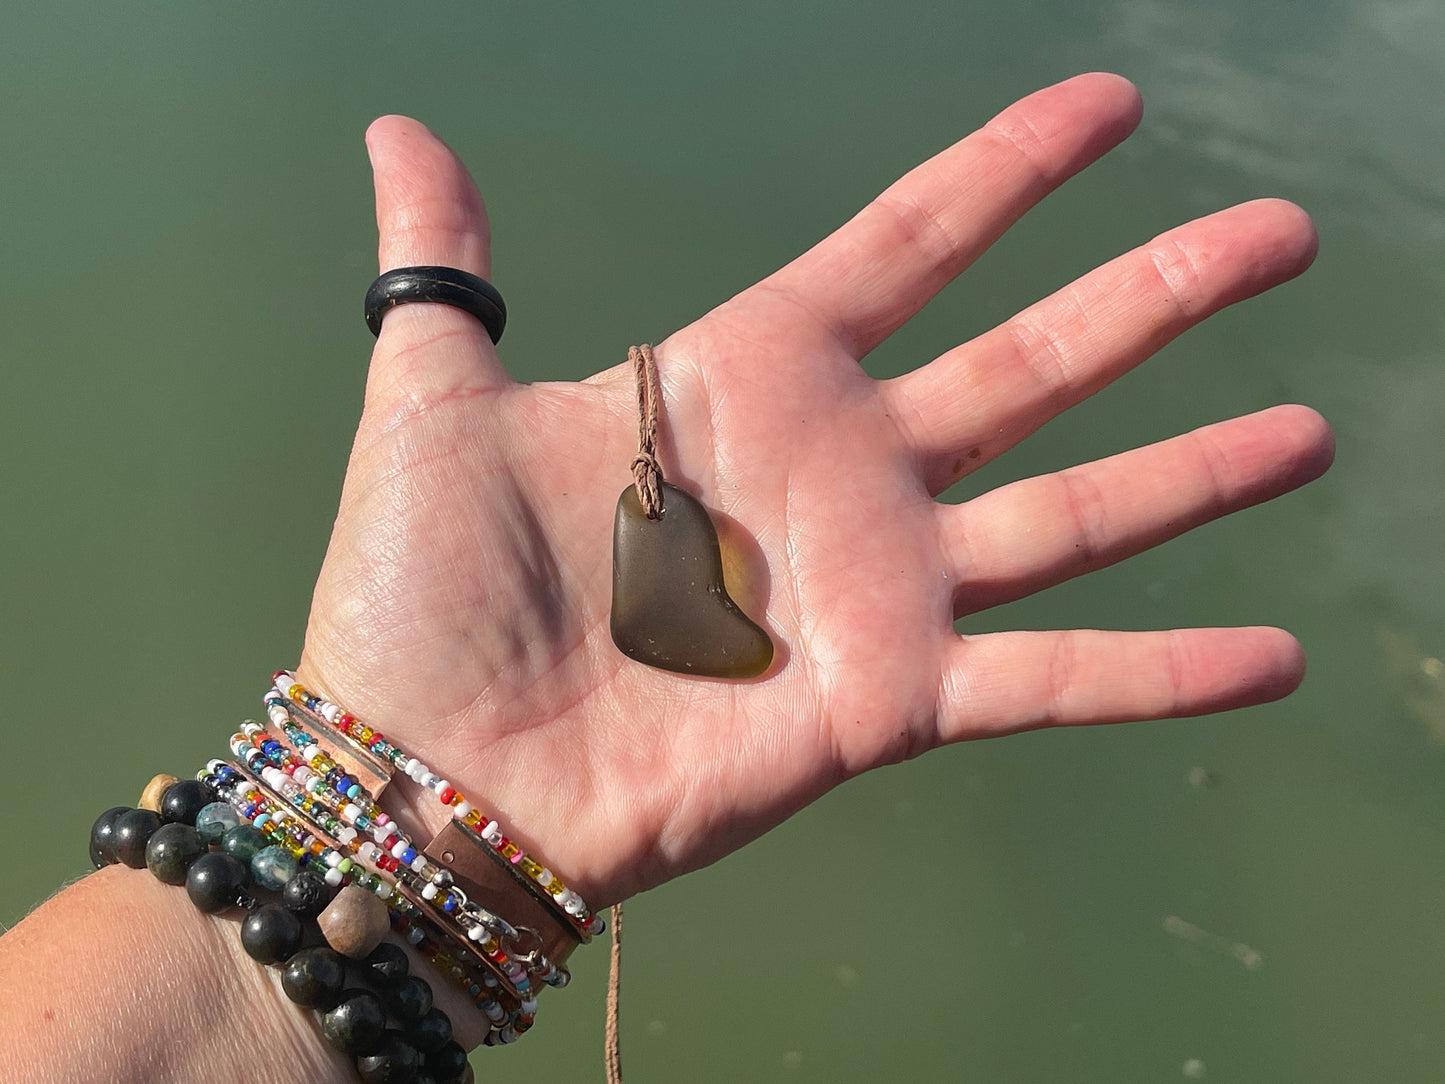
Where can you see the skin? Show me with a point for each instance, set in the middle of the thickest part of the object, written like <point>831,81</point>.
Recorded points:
<point>463,604</point>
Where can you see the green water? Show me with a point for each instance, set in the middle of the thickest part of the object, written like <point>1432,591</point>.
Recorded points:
<point>186,235</point>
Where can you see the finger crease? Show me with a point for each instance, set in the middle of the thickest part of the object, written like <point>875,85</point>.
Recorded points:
<point>1176,665</point>
<point>924,229</point>
<point>1043,357</point>
<point>1217,470</point>
<point>1085,507</point>
<point>1020,137</point>
<point>1061,667</point>
<point>1176,270</point>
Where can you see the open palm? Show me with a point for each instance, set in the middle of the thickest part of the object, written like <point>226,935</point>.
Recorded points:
<point>463,604</point>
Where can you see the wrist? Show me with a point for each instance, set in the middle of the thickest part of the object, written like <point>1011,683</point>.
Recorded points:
<point>455,746</point>
<point>471,868</point>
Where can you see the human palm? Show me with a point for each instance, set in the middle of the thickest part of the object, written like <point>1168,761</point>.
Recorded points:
<point>463,604</point>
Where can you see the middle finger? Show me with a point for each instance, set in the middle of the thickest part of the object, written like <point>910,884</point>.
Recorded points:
<point>981,398</point>
<point>1037,532</point>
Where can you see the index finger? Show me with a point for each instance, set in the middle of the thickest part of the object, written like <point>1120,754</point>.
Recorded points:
<point>868,277</point>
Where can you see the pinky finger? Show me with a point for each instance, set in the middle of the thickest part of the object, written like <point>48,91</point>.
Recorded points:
<point>1002,682</point>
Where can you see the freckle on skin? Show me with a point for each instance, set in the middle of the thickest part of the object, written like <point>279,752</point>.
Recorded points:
<point>50,1014</point>
<point>974,453</point>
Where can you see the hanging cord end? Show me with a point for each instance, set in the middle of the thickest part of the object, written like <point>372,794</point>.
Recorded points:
<point>613,1047</point>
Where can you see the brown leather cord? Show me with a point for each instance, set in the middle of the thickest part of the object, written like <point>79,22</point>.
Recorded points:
<point>647,476</point>
<point>614,992</point>
<point>646,471</point>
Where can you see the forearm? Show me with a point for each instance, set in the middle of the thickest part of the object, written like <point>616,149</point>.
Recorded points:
<point>118,979</point>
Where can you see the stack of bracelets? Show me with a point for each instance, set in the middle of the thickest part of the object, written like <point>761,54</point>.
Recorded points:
<point>290,831</point>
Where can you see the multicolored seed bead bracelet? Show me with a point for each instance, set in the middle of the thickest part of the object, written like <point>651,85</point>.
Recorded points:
<point>566,902</point>
<point>506,1001</point>
<point>539,881</point>
<point>254,800</point>
<point>328,942</point>
<point>392,854</point>
<point>308,768</point>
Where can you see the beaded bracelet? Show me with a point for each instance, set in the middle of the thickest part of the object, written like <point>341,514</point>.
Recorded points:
<point>507,1008</point>
<point>540,881</point>
<point>301,782</point>
<point>395,857</point>
<point>325,779</point>
<point>354,1021</point>
<point>314,804</point>
<point>261,813</point>
<point>567,902</point>
<point>265,809</point>
<point>291,820</point>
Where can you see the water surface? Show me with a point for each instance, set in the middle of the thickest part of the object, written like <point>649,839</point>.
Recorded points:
<point>1250,897</point>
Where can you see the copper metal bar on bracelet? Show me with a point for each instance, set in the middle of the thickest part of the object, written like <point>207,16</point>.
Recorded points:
<point>457,936</point>
<point>357,809</point>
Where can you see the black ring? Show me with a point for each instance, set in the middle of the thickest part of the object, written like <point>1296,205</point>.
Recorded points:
<point>446,285</point>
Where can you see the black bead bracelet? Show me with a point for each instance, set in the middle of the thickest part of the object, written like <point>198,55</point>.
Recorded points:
<point>371,1009</point>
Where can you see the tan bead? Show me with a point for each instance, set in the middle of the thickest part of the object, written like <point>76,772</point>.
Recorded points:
<point>355,922</point>
<point>150,798</point>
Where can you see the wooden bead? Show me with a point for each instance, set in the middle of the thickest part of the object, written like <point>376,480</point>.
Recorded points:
<point>150,798</point>
<point>354,922</point>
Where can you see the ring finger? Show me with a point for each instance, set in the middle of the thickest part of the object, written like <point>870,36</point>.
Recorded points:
<point>1037,532</point>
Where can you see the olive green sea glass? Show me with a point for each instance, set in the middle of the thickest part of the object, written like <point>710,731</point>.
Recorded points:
<point>670,607</point>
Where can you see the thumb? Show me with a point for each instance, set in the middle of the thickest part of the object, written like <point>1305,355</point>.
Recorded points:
<point>428,211</point>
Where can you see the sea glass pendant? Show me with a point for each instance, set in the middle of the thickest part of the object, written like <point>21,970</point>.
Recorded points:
<point>670,606</point>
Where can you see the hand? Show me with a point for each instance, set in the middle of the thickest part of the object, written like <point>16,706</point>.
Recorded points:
<point>463,603</point>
